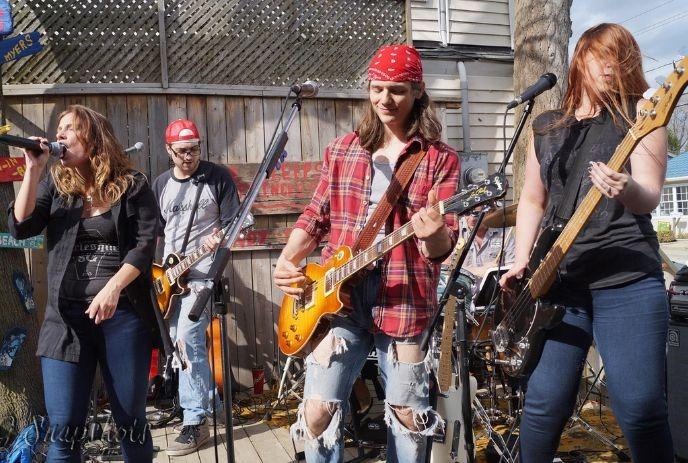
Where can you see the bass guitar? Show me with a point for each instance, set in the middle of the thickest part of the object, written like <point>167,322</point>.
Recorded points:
<point>526,313</point>
<point>168,278</point>
<point>323,297</point>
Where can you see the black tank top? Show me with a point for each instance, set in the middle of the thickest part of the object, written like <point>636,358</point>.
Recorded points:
<point>616,246</point>
<point>94,260</point>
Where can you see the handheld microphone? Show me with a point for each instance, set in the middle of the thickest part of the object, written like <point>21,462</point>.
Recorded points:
<point>55,148</point>
<point>138,146</point>
<point>544,83</point>
<point>307,89</point>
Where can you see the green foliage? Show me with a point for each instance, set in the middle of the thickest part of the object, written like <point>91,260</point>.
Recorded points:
<point>666,236</point>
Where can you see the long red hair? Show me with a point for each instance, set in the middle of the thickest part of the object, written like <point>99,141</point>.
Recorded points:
<point>613,44</point>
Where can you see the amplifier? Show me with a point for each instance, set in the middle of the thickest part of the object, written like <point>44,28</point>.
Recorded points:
<point>677,393</point>
<point>678,299</point>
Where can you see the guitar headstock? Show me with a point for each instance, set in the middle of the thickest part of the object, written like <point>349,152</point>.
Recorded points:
<point>490,189</point>
<point>657,111</point>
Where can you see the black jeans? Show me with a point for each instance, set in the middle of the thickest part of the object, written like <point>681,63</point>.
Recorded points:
<point>122,347</point>
<point>629,324</point>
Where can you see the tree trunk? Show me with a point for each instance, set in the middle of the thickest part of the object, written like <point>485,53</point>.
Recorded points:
<point>541,38</point>
<point>21,387</point>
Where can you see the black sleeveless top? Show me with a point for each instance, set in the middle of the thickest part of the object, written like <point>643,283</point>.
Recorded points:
<point>616,246</point>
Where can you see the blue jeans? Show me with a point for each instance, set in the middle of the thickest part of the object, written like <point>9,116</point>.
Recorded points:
<point>330,378</point>
<point>190,339</point>
<point>629,325</point>
<point>122,346</point>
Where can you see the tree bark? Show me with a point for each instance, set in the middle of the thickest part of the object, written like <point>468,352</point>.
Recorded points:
<point>21,387</point>
<point>541,37</point>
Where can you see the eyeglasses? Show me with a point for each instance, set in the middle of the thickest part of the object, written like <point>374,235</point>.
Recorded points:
<point>192,151</point>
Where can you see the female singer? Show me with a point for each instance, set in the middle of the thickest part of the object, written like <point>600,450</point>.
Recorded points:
<point>611,280</point>
<point>101,218</point>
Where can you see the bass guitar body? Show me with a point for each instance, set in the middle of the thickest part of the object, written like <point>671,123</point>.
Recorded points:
<point>166,290</point>
<point>520,335</point>
<point>303,320</point>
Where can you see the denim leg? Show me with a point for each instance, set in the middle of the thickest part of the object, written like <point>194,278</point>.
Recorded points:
<point>190,339</point>
<point>630,325</point>
<point>66,388</point>
<point>331,370</point>
<point>125,361</point>
<point>553,385</point>
<point>407,386</point>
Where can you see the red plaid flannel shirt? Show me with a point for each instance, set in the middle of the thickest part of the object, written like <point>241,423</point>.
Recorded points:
<point>340,207</point>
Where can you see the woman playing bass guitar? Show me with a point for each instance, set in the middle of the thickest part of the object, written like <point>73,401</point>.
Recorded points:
<point>610,282</point>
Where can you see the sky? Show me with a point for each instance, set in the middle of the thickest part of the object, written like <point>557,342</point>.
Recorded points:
<point>659,26</point>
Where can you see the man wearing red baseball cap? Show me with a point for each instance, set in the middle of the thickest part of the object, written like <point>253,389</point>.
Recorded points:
<point>196,199</point>
<point>394,303</point>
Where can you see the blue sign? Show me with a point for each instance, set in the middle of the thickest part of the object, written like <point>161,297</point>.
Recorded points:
<point>7,241</point>
<point>6,26</point>
<point>19,46</point>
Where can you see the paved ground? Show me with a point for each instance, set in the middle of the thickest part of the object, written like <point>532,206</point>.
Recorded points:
<point>677,251</point>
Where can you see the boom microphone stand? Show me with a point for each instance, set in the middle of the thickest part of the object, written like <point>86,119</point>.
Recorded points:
<point>221,258</point>
<point>454,291</point>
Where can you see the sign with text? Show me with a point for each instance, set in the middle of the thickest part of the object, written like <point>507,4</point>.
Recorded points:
<point>12,169</point>
<point>19,46</point>
<point>7,241</point>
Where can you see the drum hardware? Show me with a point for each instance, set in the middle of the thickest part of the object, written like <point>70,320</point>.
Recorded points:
<point>291,385</point>
<point>576,420</point>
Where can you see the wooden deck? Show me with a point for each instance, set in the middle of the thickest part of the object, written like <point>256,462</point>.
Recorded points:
<point>254,442</point>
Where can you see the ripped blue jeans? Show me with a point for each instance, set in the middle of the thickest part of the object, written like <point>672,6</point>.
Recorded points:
<point>336,362</point>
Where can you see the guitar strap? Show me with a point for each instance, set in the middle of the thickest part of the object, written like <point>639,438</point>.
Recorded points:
<point>198,181</point>
<point>399,180</point>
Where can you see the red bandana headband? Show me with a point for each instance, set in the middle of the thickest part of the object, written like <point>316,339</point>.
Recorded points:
<point>396,63</point>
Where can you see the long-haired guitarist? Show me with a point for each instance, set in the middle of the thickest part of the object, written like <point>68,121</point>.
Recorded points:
<point>210,186</point>
<point>392,305</point>
<point>610,281</point>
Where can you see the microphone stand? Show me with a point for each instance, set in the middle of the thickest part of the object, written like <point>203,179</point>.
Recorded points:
<point>454,291</point>
<point>222,255</point>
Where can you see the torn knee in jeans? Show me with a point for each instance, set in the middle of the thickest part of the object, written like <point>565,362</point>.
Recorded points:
<point>318,422</point>
<point>407,420</point>
<point>329,346</point>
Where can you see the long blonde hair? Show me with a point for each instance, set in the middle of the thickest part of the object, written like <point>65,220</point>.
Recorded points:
<point>422,120</point>
<point>614,44</point>
<point>110,165</point>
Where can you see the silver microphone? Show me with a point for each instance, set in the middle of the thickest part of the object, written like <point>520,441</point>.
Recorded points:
<point>138,146</point>
<point>307,89</point>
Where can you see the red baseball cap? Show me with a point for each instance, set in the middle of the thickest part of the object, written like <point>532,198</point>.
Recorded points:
<point>181,130</point>
<point>396,63</point>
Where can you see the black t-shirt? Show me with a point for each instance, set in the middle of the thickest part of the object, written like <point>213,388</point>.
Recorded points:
<point>616,246</point>
<point>94,260</point>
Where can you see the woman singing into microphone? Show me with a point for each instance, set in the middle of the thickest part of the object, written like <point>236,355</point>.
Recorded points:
<point>610,281</point>
<point>100,217</point>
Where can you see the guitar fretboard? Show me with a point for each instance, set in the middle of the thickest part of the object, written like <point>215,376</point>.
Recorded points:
<point>373,253</point>
<point>189,261</point>
<point>543,277</point>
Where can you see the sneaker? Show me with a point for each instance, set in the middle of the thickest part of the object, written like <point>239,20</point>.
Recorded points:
<point>190,439</point>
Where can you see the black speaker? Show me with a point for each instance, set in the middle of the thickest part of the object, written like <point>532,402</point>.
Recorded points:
<point>677,382</point>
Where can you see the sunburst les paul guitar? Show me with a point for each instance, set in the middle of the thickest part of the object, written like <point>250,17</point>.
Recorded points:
<point>519,336</point>
<point>168,277</point>
<point>323,297</point>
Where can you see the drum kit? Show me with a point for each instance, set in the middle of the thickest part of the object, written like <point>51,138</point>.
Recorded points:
<point>496,398</point>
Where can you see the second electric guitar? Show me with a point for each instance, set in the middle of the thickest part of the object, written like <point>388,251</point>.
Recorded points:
<point>168,278</point>
<point>323,296</point>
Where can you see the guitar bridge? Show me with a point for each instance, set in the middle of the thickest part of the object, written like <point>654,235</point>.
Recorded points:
<point>305,300</point>
<point>157,285</point>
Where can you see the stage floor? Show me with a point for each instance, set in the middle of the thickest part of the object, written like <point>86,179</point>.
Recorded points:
<point>269,441</point>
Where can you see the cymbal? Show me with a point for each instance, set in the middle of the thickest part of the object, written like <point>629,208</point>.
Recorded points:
<point>501,217</point>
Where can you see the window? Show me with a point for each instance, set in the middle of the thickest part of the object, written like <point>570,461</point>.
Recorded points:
<point>666,205</point>
<point>682,199</point>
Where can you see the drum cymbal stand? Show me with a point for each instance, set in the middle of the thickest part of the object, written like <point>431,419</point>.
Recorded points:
<point>576,421</point>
